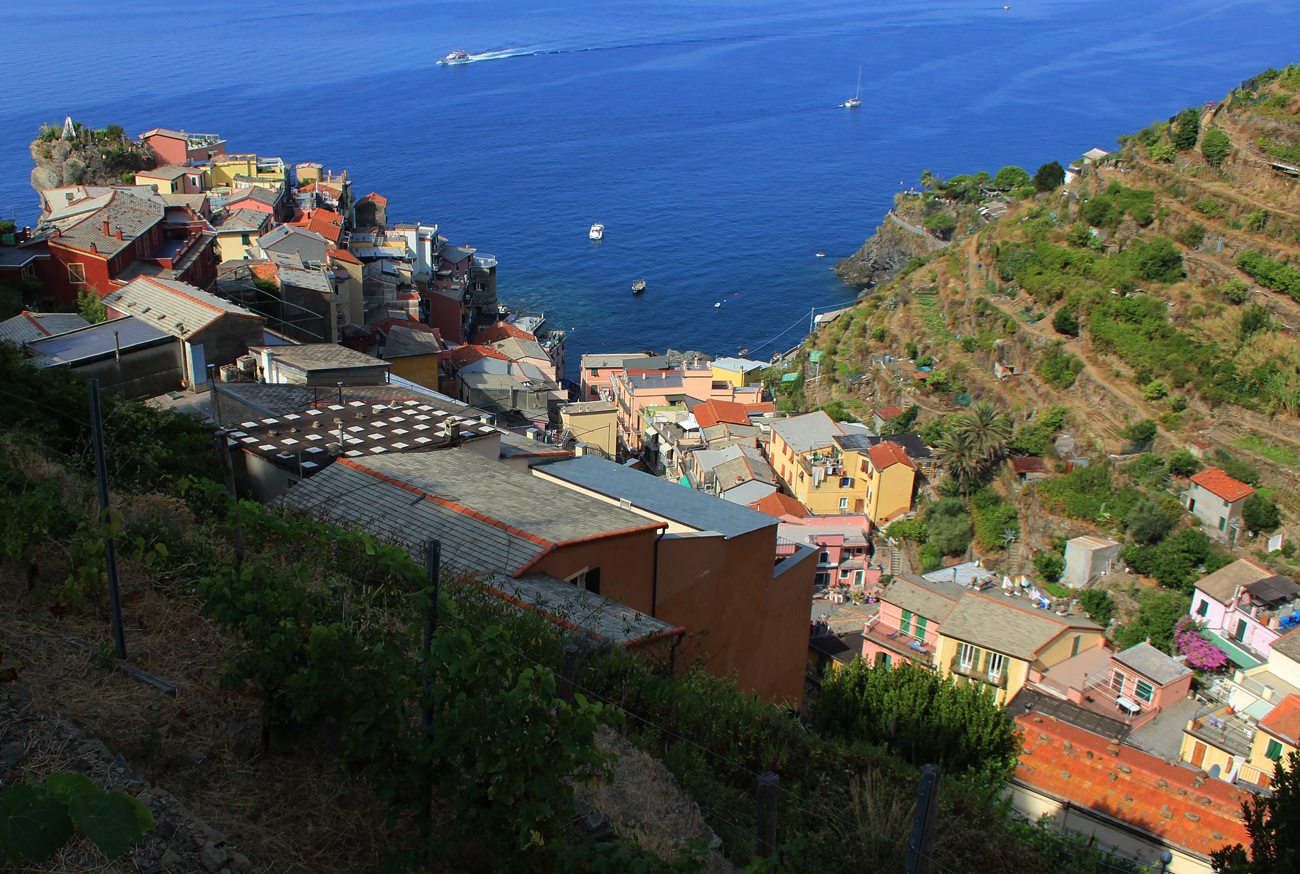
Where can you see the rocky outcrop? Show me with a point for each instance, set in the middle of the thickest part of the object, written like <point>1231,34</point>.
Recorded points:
<point>61,163</point>
<point>884,254</point>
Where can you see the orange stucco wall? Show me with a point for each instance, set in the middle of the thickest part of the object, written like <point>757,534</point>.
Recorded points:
<point>626,563</point>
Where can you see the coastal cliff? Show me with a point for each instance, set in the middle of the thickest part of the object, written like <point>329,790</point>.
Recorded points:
<point>87,157</point>
<point>895,242</point>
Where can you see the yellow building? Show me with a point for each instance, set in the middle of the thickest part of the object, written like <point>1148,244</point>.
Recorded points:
<point>594,423</point>
<point>1278,737</point>
<point>890,478</point>
<point>996,640</point>
<point>740,372</point>
<point>252,170</point>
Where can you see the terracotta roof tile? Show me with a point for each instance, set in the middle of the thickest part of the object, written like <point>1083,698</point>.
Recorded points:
<point>344,255</point>
<point>778,505</point>
<point>372,197</point>
<point>884,455</point>
<point>1216,482</point>
<point>1284,720</point>
<point>1074,764</point>
<point>501,331</point>
<point>714,412</point>
<point>887,413</point>
<point>468,354</point>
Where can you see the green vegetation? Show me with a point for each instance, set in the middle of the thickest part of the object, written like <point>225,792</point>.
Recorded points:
<point>924,714</point>
<point>37,820</point>
<point>1214,146</point>
<point>942,224</point>
<point>1257,445</point>
<point>995,518</point>
<point>948,526</point>
<point>1259,513</point>
<point>91,307</point>
<point>1183,463</point>
<point>1098,604</point>
<point>1108,210</point>
<point>1009,178</point>
<point>1158,613</point>
<point>1050,565</point>
<point>1186,129</point>
<point>1090,495</point>
<point>1049,177</point>
<point>1058,368</point>
<point>1149,522</point>
<point>1192,235</point>
<point>1236,468</point>
<point>970,443</point>
<point>1035,436</point>
<point>1271,274</point>
<point>1064,321</point>
<point>1178,561</point>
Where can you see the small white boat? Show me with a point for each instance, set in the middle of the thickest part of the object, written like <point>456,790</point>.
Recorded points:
<point>718,304</point>
<point>639,286</point>
<point>856,100</point>
<point>455,58</point>
<point>597,231</point>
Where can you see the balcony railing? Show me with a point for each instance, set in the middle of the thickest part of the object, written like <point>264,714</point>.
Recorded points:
<point>993,678</point>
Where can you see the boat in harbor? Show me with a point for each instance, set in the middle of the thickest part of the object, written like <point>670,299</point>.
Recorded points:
<point>638,286</point>
<point>597,231</point>
<point>455,58</point>
<point>856,100</point>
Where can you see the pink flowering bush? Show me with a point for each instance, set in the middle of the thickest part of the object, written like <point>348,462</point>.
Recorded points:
<point>1201,654</point>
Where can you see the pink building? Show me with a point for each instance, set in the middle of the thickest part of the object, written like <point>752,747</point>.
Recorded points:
<point>634,392</point>
<point>907,626</point>
<point>1241,607</point>
<point>179,147</point>
<point>598,369</point>
<point>843,544</point>
<point>1132,686</point>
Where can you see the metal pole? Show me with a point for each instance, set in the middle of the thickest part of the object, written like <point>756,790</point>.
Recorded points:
<point>769,785</point>
<point>110,555</point>
<point>920,848</point>
<point>433,570</point>
<point>568,669</point>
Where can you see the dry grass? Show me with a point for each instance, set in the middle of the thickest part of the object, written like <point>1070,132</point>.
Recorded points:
<point>287,811</point>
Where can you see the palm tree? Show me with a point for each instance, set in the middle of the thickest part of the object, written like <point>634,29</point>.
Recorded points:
<point>987,430</point>
<point>958,456</point>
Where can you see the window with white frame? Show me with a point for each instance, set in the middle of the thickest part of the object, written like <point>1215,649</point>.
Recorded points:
<point>1117,681</point>
<point>967,655</point>
<point>844,503</point>
<point>997,661</point>
<point>77,273</point>
<point>1145,691</point>
<point>824,558</point>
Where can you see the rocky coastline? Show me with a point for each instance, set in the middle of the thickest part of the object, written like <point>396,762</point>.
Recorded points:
<point>885,253</point>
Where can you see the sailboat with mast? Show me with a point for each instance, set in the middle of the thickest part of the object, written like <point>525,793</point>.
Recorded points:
<point>856,100</point>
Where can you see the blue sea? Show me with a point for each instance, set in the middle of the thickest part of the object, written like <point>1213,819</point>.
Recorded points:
<point>705,134</point>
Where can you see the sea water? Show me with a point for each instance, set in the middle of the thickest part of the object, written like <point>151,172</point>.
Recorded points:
<point>705,134</point>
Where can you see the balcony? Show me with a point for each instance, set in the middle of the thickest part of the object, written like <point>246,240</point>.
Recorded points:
<point>993,678</point>
<point>1224,729</point>
<point>896,642</point>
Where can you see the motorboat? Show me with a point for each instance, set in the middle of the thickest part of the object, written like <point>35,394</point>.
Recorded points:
<point>821,254</point>
<point>597,231</point>
<point>455,58</point>
<point>638,286</point>
<point>856,100</point>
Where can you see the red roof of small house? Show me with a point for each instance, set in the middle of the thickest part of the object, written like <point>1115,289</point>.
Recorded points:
<point>324,222</point>
<point>344,255</point>
<point>1031,464</point>
<point>765,407</point>
<point>375,198</point>
<point>885,454</point>
<point>1216,482</point>
<point>265,271</point>
<point>1284,720</point>
<point>778,505</point>
<point>501,331</point>
<point>1175,803</point>
<point>713,412</point>
<point>468,354</point>
<point>887,413</point>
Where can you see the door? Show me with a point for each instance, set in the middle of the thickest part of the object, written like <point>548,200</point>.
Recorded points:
<point>198,365</point>
<point>1198,754</point>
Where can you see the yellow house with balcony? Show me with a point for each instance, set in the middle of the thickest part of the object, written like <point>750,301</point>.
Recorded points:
<point>1277,738</point>
<point>266,172</point>
<point>886,473</point>
<point>995,641</point>
<point>819,474</point>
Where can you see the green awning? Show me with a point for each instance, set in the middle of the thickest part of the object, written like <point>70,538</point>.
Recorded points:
<point>789,377</point>
<point>815,356</point>
<point>1235,654</point>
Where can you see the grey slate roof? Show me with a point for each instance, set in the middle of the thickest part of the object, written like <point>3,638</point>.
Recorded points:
<point>26,327</point>
<point>932,600</point>
<point>658,497</point>
<point>261,195</point>
<point>134,215</point>
<point>563,601</point>
<point>459,491</point>
<point>1007,628</point>
<point>742,470</point>
<point>283,232</point>
<point>404,342</point>
<point>312,280</point>
<point>516,348</point>
<point>178,308</point>
<point>455,254</point>
<point>808,432</point>
<point>95,341</point>
<point>240,220</point>
<point>1152,663</point>
<point>626,359</point>
<point>650,381</point>
<point>277,399</point>
<point>1289,644</point>
<point>1221,584</point>
<point>15,257</point>
<point>325,356</point>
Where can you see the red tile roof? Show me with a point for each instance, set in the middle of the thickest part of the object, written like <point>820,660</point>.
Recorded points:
<point>1032,464</point>
<point>1284,720</point>
<point>324,222</point>
<point>1216,482</point>
<point>344,255</point>
<point>885,454</point>
<point>887,413</point>
<point>713,412</point>
<point>266,271</point>
<point>766,407</point>
<point>1130,785</point>
<point>501,331</point>
<point>778,505</point>
<point>375,198</point>
<point>468,354</point>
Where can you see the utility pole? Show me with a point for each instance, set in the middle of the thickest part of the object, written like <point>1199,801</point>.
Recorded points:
<point>568,670</point>
<point>110,554</point>
<point>925,821</point>
<point>769,786</point>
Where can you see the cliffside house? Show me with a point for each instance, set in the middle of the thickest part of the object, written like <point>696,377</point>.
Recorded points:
<point>211,330</point>
<point>634,392</point>
<point>843,544</point>
<point>174,179</point>
<point>594,423</point>
<point>178,147</point>
<point>740,372</point>
<point>127,355</point>
<point>1242,607</point>
<point>1216,499</point>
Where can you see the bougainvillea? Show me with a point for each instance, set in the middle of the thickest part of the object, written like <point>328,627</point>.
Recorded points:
<point>1201,654</point>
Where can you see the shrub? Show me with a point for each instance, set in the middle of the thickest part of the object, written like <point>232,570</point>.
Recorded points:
<point>1183,463</point>
<point>1210,209</point>
<point>1236,468</point>
<point>1201,654</point>
<point>1155,390</point>
<point>1066,322</point>
<point>1050,565</point>
<point>948,526</point>
<point>906,529</point>
<point>1214,146</point>
<point>1186,129</point>
<point>1011,177</point>
<point>1049,177</point>
<point>1147,522</point>
<point>1098,604</point>
<point>1156,619</point>
<point>1192,235</point>
<point>1159,261</point>
<point>1142,431</point>
<point>1059,368</point>
<point>1259,513</point>
<point>994,516</point>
